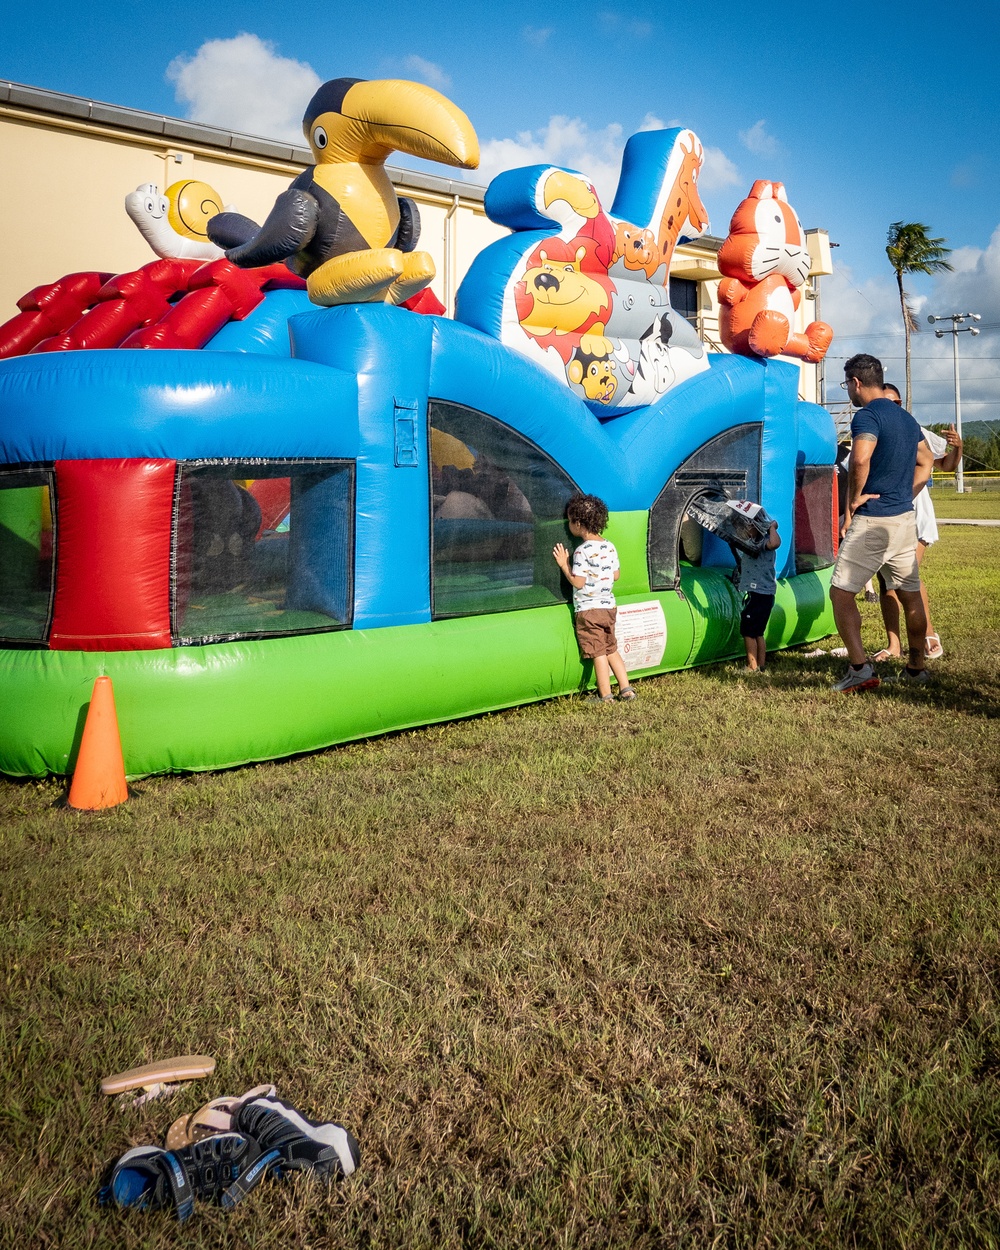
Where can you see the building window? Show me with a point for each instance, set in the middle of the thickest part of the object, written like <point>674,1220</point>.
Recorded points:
<point>728,463</point>
<point>27,562</point>
<point>262,548</point>
<point>684,299</point>
<point>498,508</point>
<point>816,517</point>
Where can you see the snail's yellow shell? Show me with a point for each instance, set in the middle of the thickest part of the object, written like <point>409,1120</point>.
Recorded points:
<point>189,207</point>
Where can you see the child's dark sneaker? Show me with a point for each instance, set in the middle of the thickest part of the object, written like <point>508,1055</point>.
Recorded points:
<point>220,1169</point>
<point>302,1144</point>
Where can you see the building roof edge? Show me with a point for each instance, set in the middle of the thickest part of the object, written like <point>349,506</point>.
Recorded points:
<point>179,131</point>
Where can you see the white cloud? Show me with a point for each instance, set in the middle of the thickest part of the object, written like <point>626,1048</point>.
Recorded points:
<point>243,84</point>
<point>597,153</point>
<point>758,141</point>
<point>718,172</point>
<point>567,141</point>
<point>537,36</point>
<point>426,71</point>
<point>866,318</point>
<point>613,20</point>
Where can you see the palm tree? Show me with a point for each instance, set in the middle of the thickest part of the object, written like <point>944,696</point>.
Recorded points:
<point>911,251</point>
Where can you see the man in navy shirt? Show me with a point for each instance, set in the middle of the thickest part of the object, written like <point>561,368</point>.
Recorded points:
<point>890,463</point>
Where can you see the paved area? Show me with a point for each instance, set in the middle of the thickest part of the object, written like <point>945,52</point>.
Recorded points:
<point>947,520</point>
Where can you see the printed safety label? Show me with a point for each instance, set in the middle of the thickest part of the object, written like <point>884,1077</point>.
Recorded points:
<point>641,629</point>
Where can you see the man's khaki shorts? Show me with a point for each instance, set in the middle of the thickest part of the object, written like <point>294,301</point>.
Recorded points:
<point>595,632</point>
<point>873,543</point>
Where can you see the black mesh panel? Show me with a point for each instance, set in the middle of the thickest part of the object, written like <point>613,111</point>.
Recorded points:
<point>498,508</point>
<point>27,564</point>
<point>262,548</point>
<point>815,517</point>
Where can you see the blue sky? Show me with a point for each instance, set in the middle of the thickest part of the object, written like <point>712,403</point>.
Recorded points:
<point>869,113</point>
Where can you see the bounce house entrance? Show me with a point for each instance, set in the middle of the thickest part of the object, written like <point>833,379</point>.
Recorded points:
<point>729,463</point>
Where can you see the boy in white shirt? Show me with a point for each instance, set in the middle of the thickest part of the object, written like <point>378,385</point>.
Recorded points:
<point>593,575</point>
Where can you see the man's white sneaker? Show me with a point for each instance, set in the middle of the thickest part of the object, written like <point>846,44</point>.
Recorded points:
<point>862,679</point>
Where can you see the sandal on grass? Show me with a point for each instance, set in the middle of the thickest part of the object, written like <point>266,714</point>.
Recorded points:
<point>626,694</point>
<point>215,1117</point>
<point>885,654</point>
<point>932,647</point>
<point>594,697</point>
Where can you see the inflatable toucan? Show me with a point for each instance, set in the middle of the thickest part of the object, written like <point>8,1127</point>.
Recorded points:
<point>340,224</point>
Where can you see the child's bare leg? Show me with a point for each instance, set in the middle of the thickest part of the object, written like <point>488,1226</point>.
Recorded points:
<point>761,652</point>
<point>602,676</point>
<point>618,668</point>
<point>751,646</point>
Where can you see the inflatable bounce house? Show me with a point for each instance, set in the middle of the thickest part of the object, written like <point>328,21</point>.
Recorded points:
<point>309,512</point>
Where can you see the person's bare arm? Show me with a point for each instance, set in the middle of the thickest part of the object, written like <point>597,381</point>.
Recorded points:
<point>924,467</point>
<point>949,461</point>
<point>773,538</point>
<point>561,557</point>
<point>858,468</point>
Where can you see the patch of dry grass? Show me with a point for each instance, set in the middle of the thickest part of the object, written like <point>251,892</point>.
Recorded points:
<point>715,968</point>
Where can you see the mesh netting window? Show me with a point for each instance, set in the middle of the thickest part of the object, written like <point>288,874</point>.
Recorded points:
<point>498,507</point>
<point>262,548</point>
<point>816,517</point>
<point>27,564</point>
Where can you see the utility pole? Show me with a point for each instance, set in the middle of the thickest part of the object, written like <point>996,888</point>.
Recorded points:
<point>957,327</point>
<point>820,263</point>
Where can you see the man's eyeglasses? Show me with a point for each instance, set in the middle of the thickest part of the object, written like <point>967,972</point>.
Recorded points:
<point>844,385</point>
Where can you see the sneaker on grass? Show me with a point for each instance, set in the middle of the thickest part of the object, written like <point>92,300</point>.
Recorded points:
<point>862,679</point>
<point>221,1169</point>
<point>905,678</point>
<point>327,1149</point>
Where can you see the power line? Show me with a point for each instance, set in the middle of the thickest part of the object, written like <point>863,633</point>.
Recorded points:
<point>918,360</point>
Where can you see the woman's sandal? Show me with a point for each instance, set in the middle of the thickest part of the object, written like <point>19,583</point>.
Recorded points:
<point>215,1117</point>
<point>880,657</point>
<point>932,647</point>
<point>626,694</point>
<point>594,697</point>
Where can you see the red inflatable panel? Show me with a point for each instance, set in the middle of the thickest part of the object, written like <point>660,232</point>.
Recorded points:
<point>49,310</point>
<point>274,495</point>
<point>113,520</point>
<point>426,302</point>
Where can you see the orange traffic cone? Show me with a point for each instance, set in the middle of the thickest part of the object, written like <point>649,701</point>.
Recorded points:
<point>99,779</point>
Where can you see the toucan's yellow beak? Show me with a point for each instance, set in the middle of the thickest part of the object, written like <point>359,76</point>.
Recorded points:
<point>393,115</point>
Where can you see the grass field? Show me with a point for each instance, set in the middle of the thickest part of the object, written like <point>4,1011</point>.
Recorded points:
<point>982,505</point>
<point>717,968</point>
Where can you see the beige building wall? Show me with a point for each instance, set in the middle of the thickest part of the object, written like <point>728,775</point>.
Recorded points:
<point>69,163</point>
<point>62,203</point>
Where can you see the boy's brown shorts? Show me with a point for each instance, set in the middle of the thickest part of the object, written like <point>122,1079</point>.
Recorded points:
<point>595,632</point>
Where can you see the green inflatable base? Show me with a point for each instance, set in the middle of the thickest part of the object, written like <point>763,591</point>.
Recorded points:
<point>196,708</point>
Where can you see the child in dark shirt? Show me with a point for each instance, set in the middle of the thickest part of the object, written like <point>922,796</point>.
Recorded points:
<point>757,584</point>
